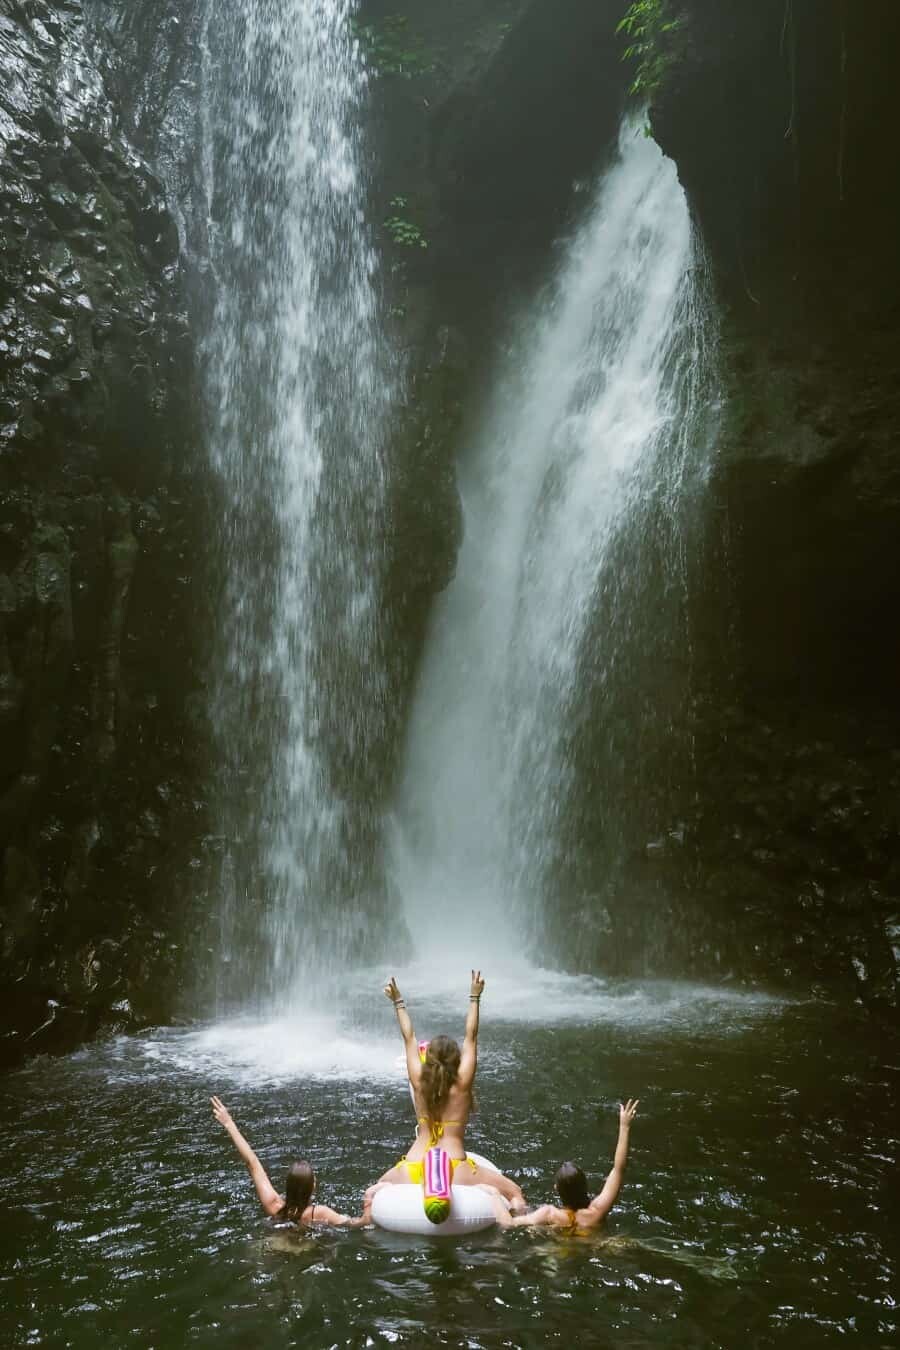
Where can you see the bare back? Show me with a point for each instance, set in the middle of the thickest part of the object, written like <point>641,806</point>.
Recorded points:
<point>573,1220</point>
<point>450,1130</point>
<point>577,1222</point>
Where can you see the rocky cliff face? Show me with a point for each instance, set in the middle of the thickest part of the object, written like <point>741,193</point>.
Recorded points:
<point>99,521</point>
<point>777,115</point>
<point>777,858</point>
<point>771,851</point>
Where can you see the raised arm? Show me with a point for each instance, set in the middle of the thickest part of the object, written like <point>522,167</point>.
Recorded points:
<point>404,1021</point>
<point>603,1203</point>
<point>269,1198</point>
<point>468,1060</point>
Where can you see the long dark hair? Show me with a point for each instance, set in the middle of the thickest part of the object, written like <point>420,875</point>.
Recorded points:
<point>439,1074</point>
<point>298,1189</point>
<point>571,1183</point>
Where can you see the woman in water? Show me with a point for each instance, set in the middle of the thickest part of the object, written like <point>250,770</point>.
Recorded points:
<point>299,1203</point>
<point>442,1088</point>
<point>578,1212</point>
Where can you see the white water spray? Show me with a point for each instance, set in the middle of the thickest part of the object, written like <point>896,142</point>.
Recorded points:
<point>297,393</point>
<point>594,438</point>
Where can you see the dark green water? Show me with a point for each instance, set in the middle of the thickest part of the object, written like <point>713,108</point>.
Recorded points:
<point>755,1212</point>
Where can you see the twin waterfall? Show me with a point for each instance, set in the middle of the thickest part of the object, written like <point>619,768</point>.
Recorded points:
<point>298,392</point>
<point>577,495</point>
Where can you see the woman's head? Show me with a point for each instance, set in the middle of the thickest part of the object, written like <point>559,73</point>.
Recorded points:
<point>439,1074</point>
<point>298,1189</point>
<point>571,1185</point>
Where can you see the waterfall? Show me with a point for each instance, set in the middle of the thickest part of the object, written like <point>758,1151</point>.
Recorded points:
<point>557,656</point>
<point>297,391</point>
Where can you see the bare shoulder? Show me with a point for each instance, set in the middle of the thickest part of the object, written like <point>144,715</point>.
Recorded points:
<point>548,1214</point>
<point>317,1213</point>
<point>590,1217</point>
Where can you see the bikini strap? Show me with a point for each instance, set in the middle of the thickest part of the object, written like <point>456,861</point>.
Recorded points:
<point>435,1128</point>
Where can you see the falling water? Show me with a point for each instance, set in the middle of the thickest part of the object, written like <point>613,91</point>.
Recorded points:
<point>297,394</point>
<point>563,627</point>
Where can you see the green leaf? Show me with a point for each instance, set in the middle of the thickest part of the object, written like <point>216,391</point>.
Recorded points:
<point>647,23</point>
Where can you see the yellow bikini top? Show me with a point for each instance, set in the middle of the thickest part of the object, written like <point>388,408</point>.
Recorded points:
<point>436,1128</point>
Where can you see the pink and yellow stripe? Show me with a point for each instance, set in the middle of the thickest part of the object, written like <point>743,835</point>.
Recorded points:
<point>438,1177</point>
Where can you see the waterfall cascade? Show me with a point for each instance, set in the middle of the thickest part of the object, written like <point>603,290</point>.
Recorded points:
<point>567,606</point>
<point>297,392</point>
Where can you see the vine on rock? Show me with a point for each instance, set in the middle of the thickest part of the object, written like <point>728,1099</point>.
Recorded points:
<point>402,230</point>
<point>391,48</point>
<point>647,23</point>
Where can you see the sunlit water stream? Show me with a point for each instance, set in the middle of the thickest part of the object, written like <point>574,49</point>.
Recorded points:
<point>755,1211</point>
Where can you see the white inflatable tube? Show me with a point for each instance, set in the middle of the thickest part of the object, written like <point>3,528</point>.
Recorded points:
<point>399,1209</point>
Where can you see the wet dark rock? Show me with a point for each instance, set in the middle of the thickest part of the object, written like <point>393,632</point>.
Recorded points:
<point>509,142</point>
<point>776,118</point>
<point>92,610</point>
<point>427,516</point>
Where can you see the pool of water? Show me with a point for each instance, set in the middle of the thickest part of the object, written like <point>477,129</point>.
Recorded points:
<point>755,1211</point>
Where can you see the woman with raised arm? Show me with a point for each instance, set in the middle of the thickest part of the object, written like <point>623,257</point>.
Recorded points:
<point>578,1212</point>
<point>442,1089</point>
<point>299,1204</point>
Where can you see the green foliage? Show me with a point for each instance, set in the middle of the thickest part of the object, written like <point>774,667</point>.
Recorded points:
<point>391,49</point>
<point>647,24</point>
<point>402,230</point>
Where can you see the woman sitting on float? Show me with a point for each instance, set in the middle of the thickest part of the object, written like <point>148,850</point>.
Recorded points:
<point>442,1085</point>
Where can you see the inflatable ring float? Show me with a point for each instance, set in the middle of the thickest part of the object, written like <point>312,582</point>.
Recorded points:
<point>399,1209</point>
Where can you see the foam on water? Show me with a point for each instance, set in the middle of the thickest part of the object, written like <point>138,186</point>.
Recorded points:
<point>519,992</point>
<point>248,1051</point>
<point>360,1043</point>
